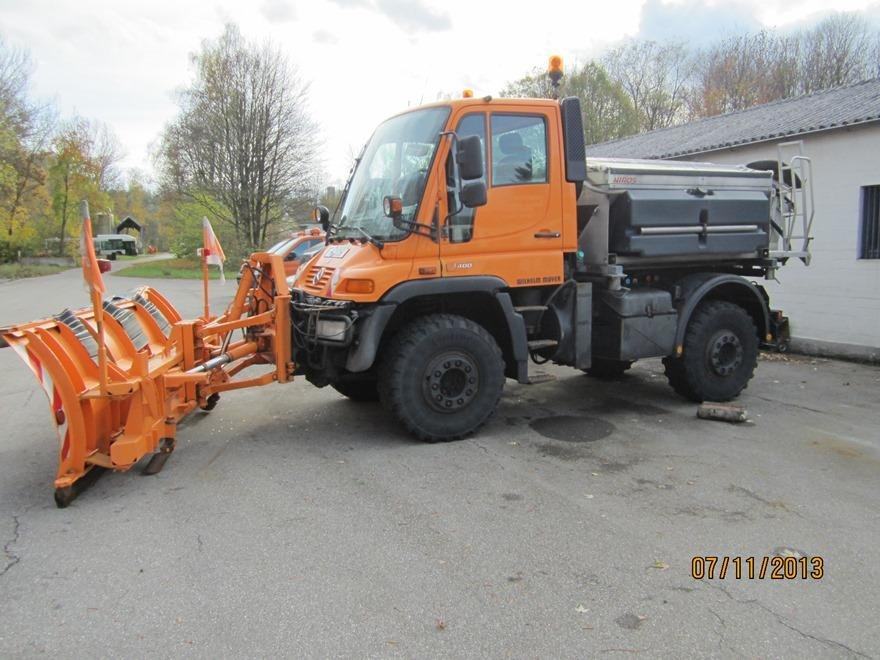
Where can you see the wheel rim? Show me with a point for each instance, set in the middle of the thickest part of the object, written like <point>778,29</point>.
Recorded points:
<point>451,381</point>
<point>725,353</point>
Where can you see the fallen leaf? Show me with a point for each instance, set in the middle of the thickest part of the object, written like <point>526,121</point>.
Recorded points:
<point>660,565</point>
<point>581,609</point>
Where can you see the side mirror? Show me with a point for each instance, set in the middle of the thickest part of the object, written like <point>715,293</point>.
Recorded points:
<point>469,156</point>
<point>393,208</point>
<point>321,215</point>
<point>473,193</point>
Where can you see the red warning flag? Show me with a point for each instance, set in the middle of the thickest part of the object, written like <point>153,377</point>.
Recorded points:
<point>91,272</point>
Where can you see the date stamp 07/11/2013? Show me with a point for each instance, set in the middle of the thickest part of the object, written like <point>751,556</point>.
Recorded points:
<point>710,567</point>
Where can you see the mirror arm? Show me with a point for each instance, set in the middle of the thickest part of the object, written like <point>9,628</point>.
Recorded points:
<point>414,228</point>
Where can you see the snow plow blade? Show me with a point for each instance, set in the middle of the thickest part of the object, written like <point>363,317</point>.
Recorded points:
<point>160,367</point>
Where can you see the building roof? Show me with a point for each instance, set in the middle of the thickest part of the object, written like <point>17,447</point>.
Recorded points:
<point>822,111</point>
<point>128,223</point>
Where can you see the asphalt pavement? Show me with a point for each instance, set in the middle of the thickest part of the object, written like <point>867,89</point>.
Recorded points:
<point>293,522</point>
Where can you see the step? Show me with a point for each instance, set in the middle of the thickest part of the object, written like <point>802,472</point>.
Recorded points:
<point>541,377</point>
<point>530,308</point>
<point>538,344</point>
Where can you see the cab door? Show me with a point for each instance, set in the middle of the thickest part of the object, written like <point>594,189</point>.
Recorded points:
<point>517,235</point>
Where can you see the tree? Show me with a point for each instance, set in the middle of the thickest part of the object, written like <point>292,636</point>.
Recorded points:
<point>743,71</point>
<point>656,78</point>
<point>25,130</point>
<point>838,51</point>
<point>607,111</point>
<point>242,146</point>
<point>750,69</point>
<point>83,161</point>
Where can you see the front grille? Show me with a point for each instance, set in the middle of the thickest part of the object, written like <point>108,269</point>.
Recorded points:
<point>317,279</point>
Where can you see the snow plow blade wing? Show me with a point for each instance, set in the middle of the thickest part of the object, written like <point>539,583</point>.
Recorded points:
<point>160,367</point>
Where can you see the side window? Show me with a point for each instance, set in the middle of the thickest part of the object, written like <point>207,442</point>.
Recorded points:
<point>461,224</point>
<point>519,149</point>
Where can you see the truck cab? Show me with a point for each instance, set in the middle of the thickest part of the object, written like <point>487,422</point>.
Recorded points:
<point>471,240</point>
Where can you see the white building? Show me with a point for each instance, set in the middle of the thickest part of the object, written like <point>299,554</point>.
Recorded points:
<point>834,304</point>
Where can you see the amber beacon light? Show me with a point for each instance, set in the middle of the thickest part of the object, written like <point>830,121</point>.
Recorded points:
<point>554,69</point>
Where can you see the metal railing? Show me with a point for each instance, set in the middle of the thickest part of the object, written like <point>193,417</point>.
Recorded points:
<point>794,205</point>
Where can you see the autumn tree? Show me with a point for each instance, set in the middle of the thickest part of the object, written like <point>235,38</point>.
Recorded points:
<point>744,70</point>
<point>656,77</point>
<point>25,131</point>
<point>83,164</point>
<point>607,111</point>
<point>242,146</point>
<point>750,69</point>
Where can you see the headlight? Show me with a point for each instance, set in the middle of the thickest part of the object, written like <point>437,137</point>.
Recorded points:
<point>331,329</point>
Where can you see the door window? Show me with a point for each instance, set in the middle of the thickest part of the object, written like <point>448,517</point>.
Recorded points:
<point>519,149</point>
<point>461,224</point>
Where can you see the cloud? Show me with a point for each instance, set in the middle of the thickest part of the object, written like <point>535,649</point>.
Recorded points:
<point>323,36</point>
<point>414,15</point>
<point>696,23</point>
<point>278,11</point>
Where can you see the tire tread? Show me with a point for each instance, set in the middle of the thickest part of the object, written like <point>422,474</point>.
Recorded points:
<point>684,374</point>
<point>395,359</point>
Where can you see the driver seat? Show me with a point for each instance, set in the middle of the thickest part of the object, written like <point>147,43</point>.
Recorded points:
<point>516,164</point>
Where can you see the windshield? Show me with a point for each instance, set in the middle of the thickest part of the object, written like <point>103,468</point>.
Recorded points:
<point>280,244</point>
<point>394,162</point>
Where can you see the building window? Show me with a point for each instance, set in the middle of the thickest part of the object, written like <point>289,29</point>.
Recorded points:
<point>869,247</point>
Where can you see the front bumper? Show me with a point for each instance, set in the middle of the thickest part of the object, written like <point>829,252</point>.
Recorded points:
<point>321,320</point>
<point>332,338</point>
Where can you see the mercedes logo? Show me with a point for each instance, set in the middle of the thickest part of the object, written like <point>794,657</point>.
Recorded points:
<point>317,276</point>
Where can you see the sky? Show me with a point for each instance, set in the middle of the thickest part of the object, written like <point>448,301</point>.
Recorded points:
<point>122,61</point>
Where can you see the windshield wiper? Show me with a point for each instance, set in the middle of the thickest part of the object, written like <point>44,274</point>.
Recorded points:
<point>341,231</point>
<point>375,241</point>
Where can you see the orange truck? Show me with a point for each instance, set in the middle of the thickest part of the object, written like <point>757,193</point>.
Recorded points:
<point>473,238</point>
<point>297,248</point>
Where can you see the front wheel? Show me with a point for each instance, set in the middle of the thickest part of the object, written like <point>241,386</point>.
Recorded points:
<point>720,353</point>
<point>441,377</point>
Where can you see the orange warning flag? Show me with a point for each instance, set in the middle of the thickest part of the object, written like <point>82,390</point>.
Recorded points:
<point>212,250</point>
<point>91,272</point>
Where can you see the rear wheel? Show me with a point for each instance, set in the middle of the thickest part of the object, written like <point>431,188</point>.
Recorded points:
<point>357,390</point>
<point>720,353</point>
<point>441,377</point>
<point>605,368</point>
